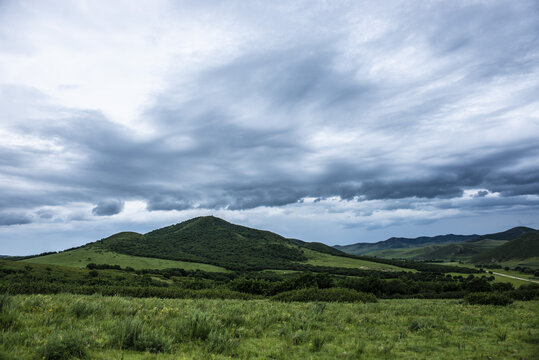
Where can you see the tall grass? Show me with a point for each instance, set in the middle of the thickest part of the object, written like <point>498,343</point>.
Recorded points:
<point>99,327</point>
<point>136,334</point>
<point>65,346</point>
<point>8,313</point>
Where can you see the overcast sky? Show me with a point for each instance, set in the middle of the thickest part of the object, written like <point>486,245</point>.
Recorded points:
<point>339,121</point>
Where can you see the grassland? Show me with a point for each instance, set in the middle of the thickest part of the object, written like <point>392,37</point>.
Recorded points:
<point>93,254</point>
<point>462,250</point>
<point>321,259</point>
<point>83,256</point>
<point>532,262</point>
<point>96,327</point>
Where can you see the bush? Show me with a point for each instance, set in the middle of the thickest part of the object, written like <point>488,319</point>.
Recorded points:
<point>488,299</point>
<point>502,287</point>
<point>64,346</point>
<point>525,292</point>
<point>332,294</point>
<point>134,334</point>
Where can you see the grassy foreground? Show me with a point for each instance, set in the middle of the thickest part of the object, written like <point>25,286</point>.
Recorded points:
<point>96,327</point>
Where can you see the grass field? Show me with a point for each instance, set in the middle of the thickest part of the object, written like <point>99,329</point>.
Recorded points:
<point>321,259</point>
<point>96,327</point>
<point>532,262</point>
<point>83,256</point>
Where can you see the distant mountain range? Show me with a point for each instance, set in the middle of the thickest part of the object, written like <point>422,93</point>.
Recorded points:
<point>401,242</point>
<point>514,244</point>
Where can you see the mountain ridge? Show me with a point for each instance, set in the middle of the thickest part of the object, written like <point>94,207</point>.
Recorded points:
<point>445,247</point>
<point>402,242</point>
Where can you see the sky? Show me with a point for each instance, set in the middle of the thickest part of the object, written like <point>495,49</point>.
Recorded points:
<point>338,121</point>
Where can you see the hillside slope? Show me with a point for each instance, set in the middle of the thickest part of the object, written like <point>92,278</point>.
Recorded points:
<point>81,257</point>
<point>510,234</point>
<point>400,243</point>
<point>435,247</point>
<point>207,243</point>
<point>524,247</point>
<point>210,241</point>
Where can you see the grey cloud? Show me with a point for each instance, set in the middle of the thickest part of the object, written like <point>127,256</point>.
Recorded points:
<point>239,139</point>
<point>108,207</point>
<point>482,193</point>
<point>10,218</point>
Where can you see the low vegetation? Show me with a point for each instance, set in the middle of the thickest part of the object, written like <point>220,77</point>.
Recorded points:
<point>92,254</point>
<point>98,327</point>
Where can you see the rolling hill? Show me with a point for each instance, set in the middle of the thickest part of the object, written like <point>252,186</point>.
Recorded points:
<point>468,248</point>
<point>510,234</point>
<point>210,244</point>
<point>452,251</point>
<point>525,246</point>
<point>400,243</point>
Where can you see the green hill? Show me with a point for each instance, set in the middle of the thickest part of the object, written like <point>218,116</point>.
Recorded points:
<point>459,251</point>
<point>441,247</point>
<point>510,234</point>
<point>462,251</point>
<point>209,240</point>
<point>524,247</point>
<point>210,244</point>
<point>402,243</point>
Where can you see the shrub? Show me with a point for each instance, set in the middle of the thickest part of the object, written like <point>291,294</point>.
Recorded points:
<point>332,294</point>
<point>134,334</point>
<point>64,346</point>
<point>502,287</point>
<point>525,292</point>
<point>488,299</point>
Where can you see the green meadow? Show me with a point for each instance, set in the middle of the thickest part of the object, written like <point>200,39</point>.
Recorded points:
<point>67,326</point>
<point>322,259</point>
<point>81,257</point>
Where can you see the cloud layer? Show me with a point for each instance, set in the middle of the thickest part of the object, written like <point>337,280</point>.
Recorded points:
<point>397,113</point>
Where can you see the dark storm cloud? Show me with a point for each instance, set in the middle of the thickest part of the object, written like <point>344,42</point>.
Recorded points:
<point>108,207</point>
<point>256,129</point>
<point>8,218</point>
